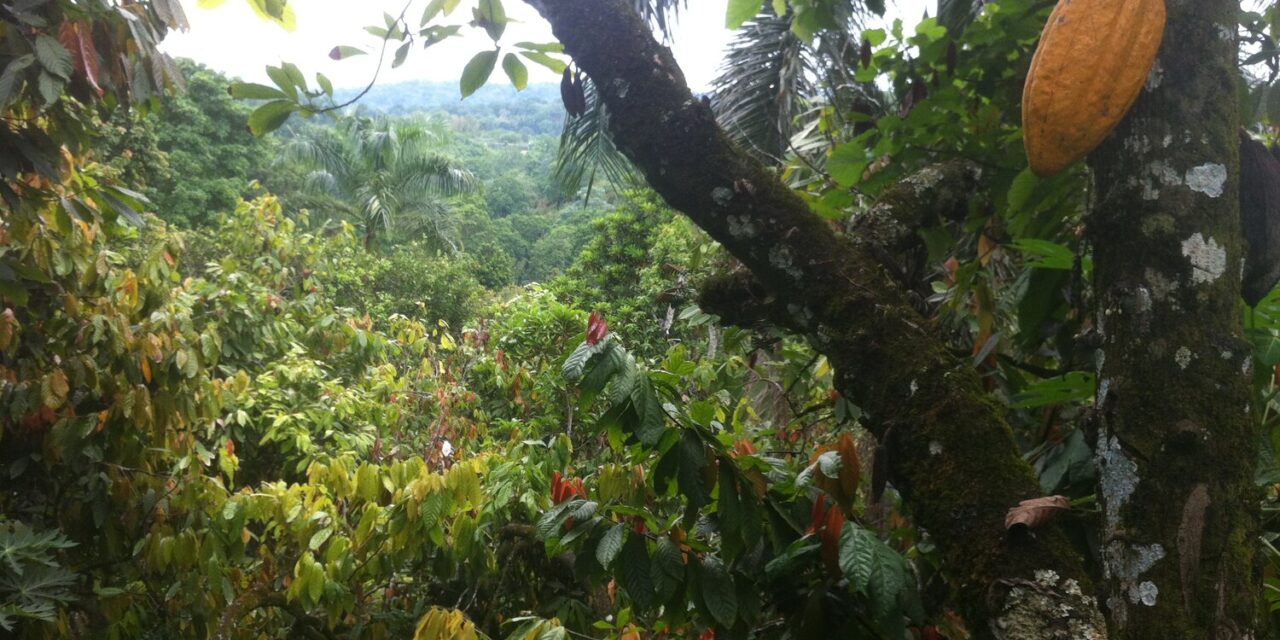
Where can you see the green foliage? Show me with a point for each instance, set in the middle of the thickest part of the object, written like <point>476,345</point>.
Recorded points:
<point>32,581</point>
<point>381,172</point>
<point>192,157</point>
<point>240,430</point>
<point>407,280</point>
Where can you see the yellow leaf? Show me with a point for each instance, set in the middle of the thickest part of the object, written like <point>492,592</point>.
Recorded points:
<point>55,389</point>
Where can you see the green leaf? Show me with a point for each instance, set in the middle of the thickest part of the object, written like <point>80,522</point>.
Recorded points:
<point>668,567</point>
<point>516,71</point>
<point>50,87</point>
<point>435,35</point>
<point>1043,254</point>
<point>402,53</point>
<point>544,47</point>
<point>54,389</point>
<point>284,80</point>
<point>610,545</point>
<point>53,56</point>
<point>433,9</point>
<point>651,420</point>
<point>319,538</point>
<point>876,571</point>
<point>254,91</point>
<point>576,363</point>
<point>9,79</point>
<point>477,72</point>
<point>342,52</point>
<point>493,17</point>
<point>847,163</point>
<point>858,555</point>
<point>635,572</point>
<point>740,11</point>
<point>556,66</point>
<point>270,116</point>
<point>717,590</point>
<point>325,85</point>
<point>1077,386</point>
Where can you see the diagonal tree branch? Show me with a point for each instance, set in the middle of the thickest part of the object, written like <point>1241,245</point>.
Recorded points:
<point>952,454</point>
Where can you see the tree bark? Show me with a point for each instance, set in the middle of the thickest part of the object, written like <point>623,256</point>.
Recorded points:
<point>1177,443</point>
<point>951,453</point>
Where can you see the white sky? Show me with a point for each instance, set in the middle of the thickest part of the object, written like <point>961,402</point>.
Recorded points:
<point>233,40</point>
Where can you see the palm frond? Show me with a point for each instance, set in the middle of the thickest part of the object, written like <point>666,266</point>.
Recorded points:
<point>587,151</point>
<point>660,14</point>
<point>764,79</point>
<point>321,148</point>
<point>955,15</point>
<point>435,175</point>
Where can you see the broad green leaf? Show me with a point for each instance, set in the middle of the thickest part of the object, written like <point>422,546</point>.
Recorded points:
<point>544,47</point>
<point>516,71</point>
<point>876,571</point>
<point>1044,254</point>
<point>493,17</point>
<point>1077,387</point>
<point>668,567</point>
<point>740,11</point>
<point>53,56</point>
<point>610,545</point>
<point>635,571</point>
<point>325,85</point>
<point>254,91</point>
<point>319,538</point>
<point>270,116</point>
<point>717,591</point>
<point>9,78</point>
<point>50,87</point>
<point>342,52</point>
<point>402,53</point>
<point>284,80</point>
<point>847,163</point>
<point>557,66</point>
<point>477,72</point>
<point>651,420</point>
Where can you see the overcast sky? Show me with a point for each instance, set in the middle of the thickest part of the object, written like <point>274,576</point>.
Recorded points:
<point>233,40</point>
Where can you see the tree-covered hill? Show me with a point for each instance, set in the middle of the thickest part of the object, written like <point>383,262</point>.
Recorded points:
<point>534,111</point>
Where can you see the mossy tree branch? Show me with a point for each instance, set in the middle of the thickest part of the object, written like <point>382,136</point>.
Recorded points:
<point>952,454</point>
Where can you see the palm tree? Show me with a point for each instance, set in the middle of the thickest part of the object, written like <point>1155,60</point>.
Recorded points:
<point>379,171</point>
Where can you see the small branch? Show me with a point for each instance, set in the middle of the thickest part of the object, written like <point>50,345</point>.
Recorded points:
<point>382,55</point>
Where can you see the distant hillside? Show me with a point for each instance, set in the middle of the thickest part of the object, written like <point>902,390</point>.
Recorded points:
<point>536,110</point>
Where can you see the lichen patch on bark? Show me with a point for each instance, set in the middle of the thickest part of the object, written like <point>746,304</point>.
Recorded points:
<point>1208,179</point>
<point>1208,258</point>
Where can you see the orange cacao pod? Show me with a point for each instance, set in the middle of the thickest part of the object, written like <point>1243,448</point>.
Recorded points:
<point>1093,59</point>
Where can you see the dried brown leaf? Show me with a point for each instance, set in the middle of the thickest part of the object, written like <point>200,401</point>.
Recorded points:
<point>1036,512</point>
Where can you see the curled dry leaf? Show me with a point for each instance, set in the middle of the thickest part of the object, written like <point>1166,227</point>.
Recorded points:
<point>1036,512</point>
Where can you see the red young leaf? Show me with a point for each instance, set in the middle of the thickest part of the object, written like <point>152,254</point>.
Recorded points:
<point>597,328</point>
<point>78,39</point>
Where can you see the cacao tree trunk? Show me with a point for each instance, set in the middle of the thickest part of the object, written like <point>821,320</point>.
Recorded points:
<point>951,452</point>
<point>1176,444</point>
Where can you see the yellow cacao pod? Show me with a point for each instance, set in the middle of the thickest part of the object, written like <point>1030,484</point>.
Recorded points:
<point>1093,59</point>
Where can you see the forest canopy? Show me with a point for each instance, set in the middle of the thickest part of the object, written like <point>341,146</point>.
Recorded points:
<point>815,355</point>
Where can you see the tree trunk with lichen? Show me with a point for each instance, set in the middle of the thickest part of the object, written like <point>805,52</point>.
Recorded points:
<point>1176,442</point>
<point>951,453</point>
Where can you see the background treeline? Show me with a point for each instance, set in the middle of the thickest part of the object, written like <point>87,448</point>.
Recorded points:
<point>194,159</point>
